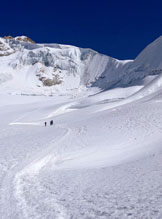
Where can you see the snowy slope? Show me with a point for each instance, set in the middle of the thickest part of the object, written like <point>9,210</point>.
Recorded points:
<point>97,161</point>
<point>148,62</point>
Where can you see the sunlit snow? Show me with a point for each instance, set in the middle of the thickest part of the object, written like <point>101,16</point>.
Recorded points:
<point>102,157</point>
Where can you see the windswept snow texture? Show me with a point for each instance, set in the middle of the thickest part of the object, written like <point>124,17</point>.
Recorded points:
<point>102,157</point>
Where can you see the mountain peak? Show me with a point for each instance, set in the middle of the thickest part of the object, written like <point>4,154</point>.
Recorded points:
<point>20,38</point>
<point>24,39</point>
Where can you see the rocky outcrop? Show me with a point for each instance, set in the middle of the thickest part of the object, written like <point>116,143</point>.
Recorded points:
<point>8,37</point>
<point>24,39</point>
<point>51,82</point>
<point>5,49</point>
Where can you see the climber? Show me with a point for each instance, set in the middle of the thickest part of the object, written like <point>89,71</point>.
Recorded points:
<point>51,122</point>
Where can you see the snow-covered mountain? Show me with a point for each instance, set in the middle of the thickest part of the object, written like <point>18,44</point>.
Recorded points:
<point>27,67</point>
<point>102,157</point>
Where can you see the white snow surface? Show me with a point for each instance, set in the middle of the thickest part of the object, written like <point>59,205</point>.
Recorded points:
<point>102,157</point>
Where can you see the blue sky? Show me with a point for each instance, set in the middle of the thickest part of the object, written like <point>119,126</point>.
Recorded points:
<point>120,29</point>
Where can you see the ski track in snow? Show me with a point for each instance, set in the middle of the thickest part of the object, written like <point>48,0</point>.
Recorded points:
<point>12,184</point>
<point>30,173</point>
<point>104,165</point>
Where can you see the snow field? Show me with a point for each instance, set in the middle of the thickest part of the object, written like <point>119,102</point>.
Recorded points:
<point>93,163</point>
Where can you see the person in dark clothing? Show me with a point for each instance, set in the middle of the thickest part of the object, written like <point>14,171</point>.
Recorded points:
<point>45,123</point>
<point>51,122</point>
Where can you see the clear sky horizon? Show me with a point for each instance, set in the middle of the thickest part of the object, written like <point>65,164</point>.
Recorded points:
<point>120,29</point>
